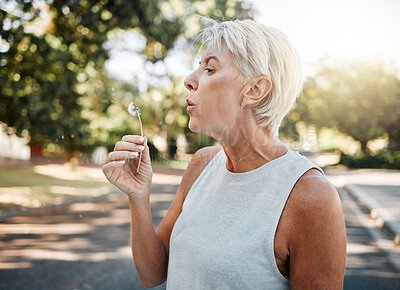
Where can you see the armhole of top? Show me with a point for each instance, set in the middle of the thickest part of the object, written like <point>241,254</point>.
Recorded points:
<point>271,250</point>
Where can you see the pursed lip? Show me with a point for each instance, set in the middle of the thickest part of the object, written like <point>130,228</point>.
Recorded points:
<point>190,106</point>
<point>189,102</point>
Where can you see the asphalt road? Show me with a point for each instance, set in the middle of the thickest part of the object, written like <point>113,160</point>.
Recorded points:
<point>82,246</point>
<point>86,246</point>
<point>367,265</point>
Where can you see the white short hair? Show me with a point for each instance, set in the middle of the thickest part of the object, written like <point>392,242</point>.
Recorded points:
<point>261,50</point>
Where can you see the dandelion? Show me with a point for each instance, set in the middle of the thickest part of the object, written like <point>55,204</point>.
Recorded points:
<point>135,111</point>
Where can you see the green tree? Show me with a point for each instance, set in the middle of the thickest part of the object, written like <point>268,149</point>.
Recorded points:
<point>53,56</point>
<point>53,53</point>
<point>288,128</point>
<point>163,106</point>
<point>360,99</point>
<point>389,117</point>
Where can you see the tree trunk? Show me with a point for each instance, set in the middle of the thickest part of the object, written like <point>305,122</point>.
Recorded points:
<point>364,147</point>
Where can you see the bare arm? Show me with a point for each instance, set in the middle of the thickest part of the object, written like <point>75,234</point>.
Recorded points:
<point>121,170</point>
<point>149,249</point>
<point>317,243</point>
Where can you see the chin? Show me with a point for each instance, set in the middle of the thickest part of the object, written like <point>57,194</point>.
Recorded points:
<point>192,126</point>
<point>195,127</point>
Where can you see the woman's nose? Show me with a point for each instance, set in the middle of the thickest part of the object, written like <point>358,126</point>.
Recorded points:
<point>191,83</point>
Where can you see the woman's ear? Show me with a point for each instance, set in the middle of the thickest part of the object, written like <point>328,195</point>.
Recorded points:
<point>256,91</point>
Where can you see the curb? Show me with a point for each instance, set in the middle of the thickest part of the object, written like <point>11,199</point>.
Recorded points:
<point>54,207</point>
<point>385,220</point>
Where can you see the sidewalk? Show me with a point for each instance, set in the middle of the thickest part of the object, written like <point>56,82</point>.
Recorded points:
<point>162,175</point>
<point>81,245</point>
<point>376,191</point>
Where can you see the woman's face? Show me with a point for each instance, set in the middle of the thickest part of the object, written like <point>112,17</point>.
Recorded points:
<point>214,93</point>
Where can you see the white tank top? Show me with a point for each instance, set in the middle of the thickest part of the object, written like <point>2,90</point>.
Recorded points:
<point>224,236</point>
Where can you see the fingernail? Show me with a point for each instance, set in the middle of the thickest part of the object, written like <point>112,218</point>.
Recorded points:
<point>140,147</point>
<point>140,139</point>
<point>120,162</point>
<point>134,154</point>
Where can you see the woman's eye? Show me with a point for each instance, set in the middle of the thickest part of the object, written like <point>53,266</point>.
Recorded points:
<point>209,70</point>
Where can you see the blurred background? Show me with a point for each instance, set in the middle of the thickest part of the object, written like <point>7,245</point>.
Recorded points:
<point>69,69</point>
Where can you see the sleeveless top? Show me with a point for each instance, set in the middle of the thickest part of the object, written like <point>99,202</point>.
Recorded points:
<point>224,236</point>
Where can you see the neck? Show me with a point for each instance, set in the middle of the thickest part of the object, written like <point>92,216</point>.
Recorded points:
<point>250,147</point>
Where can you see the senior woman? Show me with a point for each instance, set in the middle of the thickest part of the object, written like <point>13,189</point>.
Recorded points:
<point>254,214</point>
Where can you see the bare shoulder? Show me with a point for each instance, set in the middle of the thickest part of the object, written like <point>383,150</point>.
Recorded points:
<point>313,187</point>
<point>317,240</point>
<point>315,199</point>
<point>204,155</point>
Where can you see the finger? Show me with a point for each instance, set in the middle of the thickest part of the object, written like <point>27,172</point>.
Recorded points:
<point>128,146</point>
<point>110,166</point>
<point>133,139</point>
<point>122,155</point>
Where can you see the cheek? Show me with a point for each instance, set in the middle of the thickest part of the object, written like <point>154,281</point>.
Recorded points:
<point>222,86</point>
<point>227,91</point>
<point>221,81</point>
<point>215,82</point>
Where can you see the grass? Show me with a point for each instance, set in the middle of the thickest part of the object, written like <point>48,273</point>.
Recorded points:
<point>36,186</point>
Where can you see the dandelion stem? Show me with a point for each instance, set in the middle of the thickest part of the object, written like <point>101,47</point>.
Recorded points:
<point>135,111</point>
<point>141,134</point>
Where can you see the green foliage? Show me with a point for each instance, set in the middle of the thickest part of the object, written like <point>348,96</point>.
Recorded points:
<point>47,72</point>
<point>382,160</point>
<point>288,128</point>
<point>52,66</point>
<point>332,140</point>
<point>360,99</point>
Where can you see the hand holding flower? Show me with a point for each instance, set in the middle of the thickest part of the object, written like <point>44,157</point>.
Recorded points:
<point>123,165</point>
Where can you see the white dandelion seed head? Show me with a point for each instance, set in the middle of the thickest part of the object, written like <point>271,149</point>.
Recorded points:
<point>133,110</point>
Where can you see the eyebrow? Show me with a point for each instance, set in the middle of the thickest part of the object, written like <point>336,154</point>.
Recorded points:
<point>207,59</point>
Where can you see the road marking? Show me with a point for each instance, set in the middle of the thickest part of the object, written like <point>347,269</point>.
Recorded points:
<point>381,242</point>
